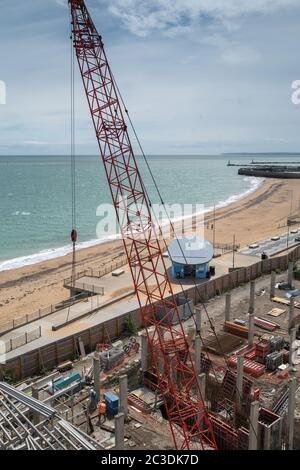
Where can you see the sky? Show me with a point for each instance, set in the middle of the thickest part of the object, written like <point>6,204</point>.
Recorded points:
<point>198,76</point>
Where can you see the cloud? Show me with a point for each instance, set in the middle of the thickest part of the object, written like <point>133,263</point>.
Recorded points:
<point>141,17</point>
<point>237,55</point>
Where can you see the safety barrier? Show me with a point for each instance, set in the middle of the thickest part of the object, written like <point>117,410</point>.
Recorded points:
<point>96,273</point>
<point>21,340</point>
<point>43,312</point>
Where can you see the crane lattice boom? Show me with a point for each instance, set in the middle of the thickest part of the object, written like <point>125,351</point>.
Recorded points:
<point>171,360</point>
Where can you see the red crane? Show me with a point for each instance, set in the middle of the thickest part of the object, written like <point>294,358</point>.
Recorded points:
<point>171,361</point>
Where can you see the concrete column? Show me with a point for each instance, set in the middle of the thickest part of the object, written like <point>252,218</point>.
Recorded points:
<point>273,283</point>
<point>291,314</point>
<point>119,431</point>
<point>252,297</point>
<point>198,354</point>
<point>251,329</point>
<point>35,394</point>
<point>202,385</point>
<point>190,335</point>
<point>291,412</point>
<point>267,438</point>
<point>227,306</point>
<point>290,273</point>
<point>239,382</point>
<point>96,372</point>
<point>198,319</point>
<point>253,429</point>
<point>123,386</point>
<point>81,347</point>
<point>144,353</point>
<point>292,348</point>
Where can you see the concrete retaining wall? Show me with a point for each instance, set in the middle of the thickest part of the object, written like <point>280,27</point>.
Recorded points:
<point>51,355</point>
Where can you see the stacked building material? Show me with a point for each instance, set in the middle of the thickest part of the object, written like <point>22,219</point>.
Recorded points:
<point>261,351</point>
<point>274,360</point>
<point>138,403</point>
<point>111,358</point>
<point>235,329</point>
<point>265,324</point>
<point>251,354</point>
<point>276,343</point>
<point>250,367</point>
<point>285,356</point>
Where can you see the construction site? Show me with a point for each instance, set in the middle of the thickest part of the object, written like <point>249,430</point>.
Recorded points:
<point>174,345</point>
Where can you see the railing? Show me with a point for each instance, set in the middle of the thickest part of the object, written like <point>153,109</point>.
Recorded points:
<point>43,312</point>
<point>225,247</point>
<point>21,340</point>
<point>31,317</point>
<point>96,273</point>
<point>87,287</point>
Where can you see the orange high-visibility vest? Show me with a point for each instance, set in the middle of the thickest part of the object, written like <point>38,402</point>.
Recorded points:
<point>102,408</point>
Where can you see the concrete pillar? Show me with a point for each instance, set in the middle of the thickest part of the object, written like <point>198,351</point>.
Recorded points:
<point>291,314</point>
<point>267,438</point>
<point>202,385</point>
<point>239,382</point>
<point>123,386</point>
<point>144,352</point>
<point>96,372</point>
<point>290,273</point>
<point>251,329</point>
<point>227,306</point>
<point>198,354</point>
<point>273,283</point>
<point>253,429</point>
<point>252,297</point>
<point>190,335</point>
<point>35,394</point>
<point>291,412</point>
<point>81,347</point>
<point>292,348</point>
<point>198,319</point>
<point>119,431</point>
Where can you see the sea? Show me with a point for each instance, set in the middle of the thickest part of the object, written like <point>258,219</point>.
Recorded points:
<point>36,197</point>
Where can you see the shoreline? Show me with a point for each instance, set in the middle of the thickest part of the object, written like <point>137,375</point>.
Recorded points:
<point>257,216</point>
<point>59,252</point>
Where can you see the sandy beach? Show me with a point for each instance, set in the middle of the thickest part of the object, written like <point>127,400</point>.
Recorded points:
<point>258,216</point>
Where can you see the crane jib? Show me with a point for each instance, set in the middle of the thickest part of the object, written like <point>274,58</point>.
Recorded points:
<point>171,360</point>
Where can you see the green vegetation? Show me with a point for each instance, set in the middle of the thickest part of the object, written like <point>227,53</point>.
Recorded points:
<point>129,326</point>
<point>8,377</point>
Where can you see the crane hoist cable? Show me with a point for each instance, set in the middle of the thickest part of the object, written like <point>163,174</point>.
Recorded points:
<point>74,234</point>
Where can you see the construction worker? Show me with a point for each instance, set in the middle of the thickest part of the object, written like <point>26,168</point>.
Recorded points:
<point>102,412</point>
<point>93,401</point>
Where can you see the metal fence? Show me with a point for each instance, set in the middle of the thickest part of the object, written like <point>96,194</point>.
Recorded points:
<point>43,312</point>
<point>29,318</point>
<point>88,287</point>
<point>96,273</point>
<point>22,339</point>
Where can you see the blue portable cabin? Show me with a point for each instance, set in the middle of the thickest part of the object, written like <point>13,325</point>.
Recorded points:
<point>112,403</point>
<point>190,257</point>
